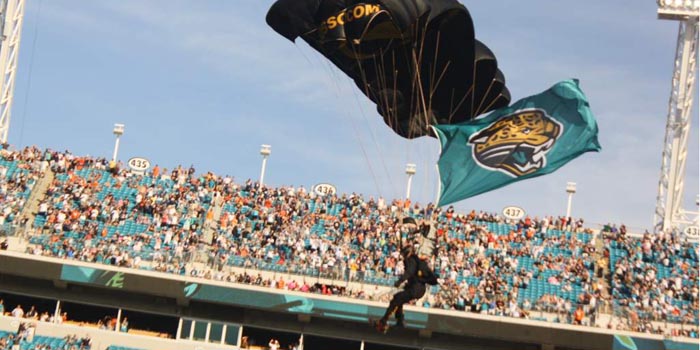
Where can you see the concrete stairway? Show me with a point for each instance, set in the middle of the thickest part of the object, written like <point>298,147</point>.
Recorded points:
<point>30,208</point>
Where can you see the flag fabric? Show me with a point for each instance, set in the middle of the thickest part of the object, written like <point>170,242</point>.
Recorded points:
<point>534,136</point>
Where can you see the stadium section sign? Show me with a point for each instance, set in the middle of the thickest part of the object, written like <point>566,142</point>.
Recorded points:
<point>692,233</point>
<point>324,189</point>
<point>138,164</point>
<point>513,213</point>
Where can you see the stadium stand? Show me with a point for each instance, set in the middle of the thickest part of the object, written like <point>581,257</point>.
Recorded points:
<point>212,227</point>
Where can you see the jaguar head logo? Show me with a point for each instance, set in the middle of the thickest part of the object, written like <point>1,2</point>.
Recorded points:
<point>516,144</point>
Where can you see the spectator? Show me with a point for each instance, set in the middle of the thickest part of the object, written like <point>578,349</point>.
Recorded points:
<point>32,313</point>
<point>578,315</point>
<point>124,326</point>
<point>85,342</point>
<point>18,312</point>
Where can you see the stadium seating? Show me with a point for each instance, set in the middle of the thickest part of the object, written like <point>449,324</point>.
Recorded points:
<point>163,220</point>
<point>38,341</point>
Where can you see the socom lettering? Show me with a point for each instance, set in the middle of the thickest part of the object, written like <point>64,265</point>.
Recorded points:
<point>351,14</point>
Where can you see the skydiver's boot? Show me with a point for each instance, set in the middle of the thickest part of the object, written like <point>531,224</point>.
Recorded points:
<point>381,325</point>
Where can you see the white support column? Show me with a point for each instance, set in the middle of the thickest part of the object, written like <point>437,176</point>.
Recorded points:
<point>410,171</point>
<point>265,152</point>
<point>223,333</point>
<point>119,320</point>
<point>439,185</point>
<point>118,132</point>
<point>12,18</point>
<point>206,336</point>
<point>179,329</point>
<point>240,335</point>
<point>57,313</point>
<point>570,189</point>
<point>668,214</point>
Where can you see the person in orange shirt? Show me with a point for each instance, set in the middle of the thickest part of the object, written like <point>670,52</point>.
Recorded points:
<point>530,234</point>
<point>578,315</point>
<point>223,220</point>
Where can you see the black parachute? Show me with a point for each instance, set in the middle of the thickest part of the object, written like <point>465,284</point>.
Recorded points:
<point>417,60</point>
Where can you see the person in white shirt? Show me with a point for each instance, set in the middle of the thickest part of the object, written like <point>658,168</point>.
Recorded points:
<point>18,311</point>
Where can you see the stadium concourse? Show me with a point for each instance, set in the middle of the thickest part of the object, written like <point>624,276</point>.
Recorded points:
<point>214,227</point>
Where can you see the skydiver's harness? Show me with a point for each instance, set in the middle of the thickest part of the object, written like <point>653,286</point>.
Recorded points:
<point>425,274</point>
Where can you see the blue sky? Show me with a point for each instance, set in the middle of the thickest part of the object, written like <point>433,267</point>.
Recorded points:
<point>207,82</point>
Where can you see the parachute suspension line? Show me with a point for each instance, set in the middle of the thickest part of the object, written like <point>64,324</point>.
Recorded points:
<point>487,108</point>
<point>390,102</point>
<point>331,74</point>
<point>464,98</point>
<point>427,185</point>
<point>382,100</point>
<point>477,109</point>
<point>356,131</point>
<point>434,84</point>
<point>303,55</point>
<point>29,74</point>
<point>417,59</point>
<point>421,99</point>
<point>372,134</point>
<point>364,152</point>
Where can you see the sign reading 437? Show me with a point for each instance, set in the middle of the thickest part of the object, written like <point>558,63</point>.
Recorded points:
<point>513,213</point>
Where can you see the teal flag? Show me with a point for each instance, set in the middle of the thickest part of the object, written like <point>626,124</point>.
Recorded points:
<point>534,136</point>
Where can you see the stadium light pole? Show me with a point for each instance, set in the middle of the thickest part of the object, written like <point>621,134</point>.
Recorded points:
<point>410,171</point>
<point>265,152</point>
<point>118,132</point>
<point>570,189</point>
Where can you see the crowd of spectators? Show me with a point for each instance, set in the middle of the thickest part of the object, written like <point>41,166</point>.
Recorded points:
<point>25,336</point>
<point>654,278</point>
<point>16,183</point>
<point>164,220</point>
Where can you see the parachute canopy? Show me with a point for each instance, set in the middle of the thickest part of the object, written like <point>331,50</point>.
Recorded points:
<point>417,60</point>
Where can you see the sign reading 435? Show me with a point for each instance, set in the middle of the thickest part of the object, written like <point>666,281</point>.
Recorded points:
<point>139,164</point>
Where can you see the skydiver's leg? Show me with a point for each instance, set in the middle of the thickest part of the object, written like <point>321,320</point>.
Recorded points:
<point>399,316</point>
<point>396,304</point>
<point>414,291</point>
